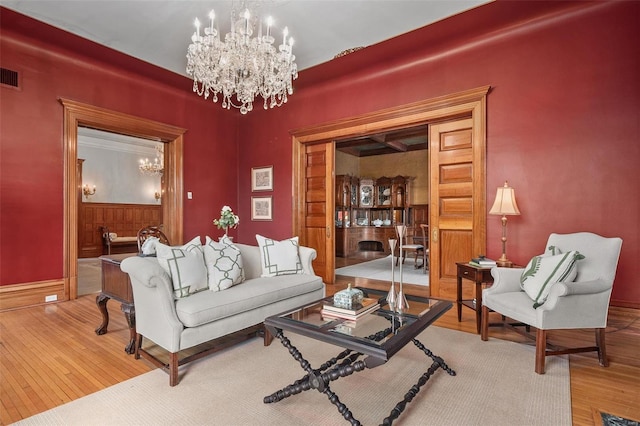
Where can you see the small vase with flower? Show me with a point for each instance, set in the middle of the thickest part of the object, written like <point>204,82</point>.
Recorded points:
<point>227,220</point>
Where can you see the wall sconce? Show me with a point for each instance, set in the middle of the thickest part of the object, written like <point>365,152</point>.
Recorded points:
<point>158,195</point>
<point>87,191</point>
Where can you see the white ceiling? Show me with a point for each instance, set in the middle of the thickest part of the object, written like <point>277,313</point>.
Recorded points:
<point>159,32</point>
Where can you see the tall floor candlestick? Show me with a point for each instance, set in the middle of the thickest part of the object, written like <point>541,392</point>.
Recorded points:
<point>391,297</point>
<point>401,302</point>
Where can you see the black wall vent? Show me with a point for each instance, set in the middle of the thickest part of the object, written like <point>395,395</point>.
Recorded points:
<point>9,77</point>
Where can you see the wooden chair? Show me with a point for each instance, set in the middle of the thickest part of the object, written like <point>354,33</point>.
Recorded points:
<point>151,231</point>
<point>401,232</point>
<point>424,228</point>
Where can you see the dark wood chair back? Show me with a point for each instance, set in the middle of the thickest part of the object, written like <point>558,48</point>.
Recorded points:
<point>151,231</point>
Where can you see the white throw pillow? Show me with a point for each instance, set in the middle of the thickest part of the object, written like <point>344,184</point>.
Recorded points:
<point>149,246</point>
<point>543,271</point>
<point>185,265</point>
<point>224,263</point>
<point>279,257</point>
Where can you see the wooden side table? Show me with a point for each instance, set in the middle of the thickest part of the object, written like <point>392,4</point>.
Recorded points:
<point>116,285</point>
<point>479,276</point>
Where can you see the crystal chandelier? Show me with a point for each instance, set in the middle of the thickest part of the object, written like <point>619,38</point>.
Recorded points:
<point>241,66</point>
<point>156,167</point>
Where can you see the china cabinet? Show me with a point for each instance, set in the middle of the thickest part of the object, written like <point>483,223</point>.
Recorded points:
<point>367,210</point>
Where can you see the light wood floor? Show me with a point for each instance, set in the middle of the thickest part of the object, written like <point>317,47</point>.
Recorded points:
<point>51,355</point>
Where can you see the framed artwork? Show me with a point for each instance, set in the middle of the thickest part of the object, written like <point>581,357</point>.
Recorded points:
<point>261,208</point>
<point>262,178</point>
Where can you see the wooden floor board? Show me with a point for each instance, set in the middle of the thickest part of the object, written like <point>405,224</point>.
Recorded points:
<point>51,355</point>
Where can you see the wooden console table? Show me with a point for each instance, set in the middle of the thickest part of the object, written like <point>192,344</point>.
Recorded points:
<point>116,285</point>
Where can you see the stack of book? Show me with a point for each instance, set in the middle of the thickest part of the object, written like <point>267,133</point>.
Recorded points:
<point>330,311</point>
<point>482,262</point>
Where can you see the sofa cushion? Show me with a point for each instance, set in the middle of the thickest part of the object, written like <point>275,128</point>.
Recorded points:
<point>224,263</point>
<point>185,266</point>
<point>208,306</point>
<point>543,271</point>
<point>279,257</point>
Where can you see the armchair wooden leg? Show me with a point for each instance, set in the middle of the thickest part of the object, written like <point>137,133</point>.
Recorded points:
<point>541,349</point>
<point>602,347</point>
<point>484,332</point>
<point>173,368</point>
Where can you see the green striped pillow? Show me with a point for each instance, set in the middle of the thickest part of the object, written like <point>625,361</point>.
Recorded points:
<point>544,271</point>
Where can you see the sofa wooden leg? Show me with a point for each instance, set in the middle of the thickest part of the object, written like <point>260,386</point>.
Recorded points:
<point>484,332</point>
<point>541,350</point>
<point>602,347</point>
<point>268,338</point>
<point>138,345</point>
<point>173,368</point>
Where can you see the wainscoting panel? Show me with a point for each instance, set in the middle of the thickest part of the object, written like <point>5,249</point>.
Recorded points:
<point>123,219</point>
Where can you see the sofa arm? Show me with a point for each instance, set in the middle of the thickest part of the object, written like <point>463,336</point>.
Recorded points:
<point>505,280</point>
<point>307,255</point>
<point>584,287</point>
<point>156,317</point>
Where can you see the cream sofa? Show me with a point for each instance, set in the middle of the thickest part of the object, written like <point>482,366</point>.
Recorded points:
<point>178,324</point>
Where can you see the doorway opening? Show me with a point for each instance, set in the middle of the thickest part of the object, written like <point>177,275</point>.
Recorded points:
<point>77,115</point>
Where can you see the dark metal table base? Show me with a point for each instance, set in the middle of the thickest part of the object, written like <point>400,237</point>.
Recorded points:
<point>334,369</point>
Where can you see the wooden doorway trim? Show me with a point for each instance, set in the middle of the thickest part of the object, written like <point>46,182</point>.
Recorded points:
<point>470,103</point>
<point>79,114</point>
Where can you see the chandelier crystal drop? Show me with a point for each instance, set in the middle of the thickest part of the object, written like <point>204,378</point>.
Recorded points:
<point>240,67</point>
<point>155,168</point>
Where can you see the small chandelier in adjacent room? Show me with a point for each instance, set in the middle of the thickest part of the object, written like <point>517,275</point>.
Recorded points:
<point>241,66</point>
<point>155,168</point>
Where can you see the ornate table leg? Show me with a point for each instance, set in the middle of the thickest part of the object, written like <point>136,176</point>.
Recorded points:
<point>101,301</point>
<point>316,380</point>
<point>130,314</point>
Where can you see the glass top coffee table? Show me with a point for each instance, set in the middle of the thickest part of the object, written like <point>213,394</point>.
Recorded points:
<point>368,342</point>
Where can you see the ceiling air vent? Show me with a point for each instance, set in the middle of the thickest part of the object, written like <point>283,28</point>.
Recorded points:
<point>9,78</point>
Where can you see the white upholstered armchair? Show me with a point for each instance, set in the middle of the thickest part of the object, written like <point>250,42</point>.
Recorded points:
<point>579,303</point>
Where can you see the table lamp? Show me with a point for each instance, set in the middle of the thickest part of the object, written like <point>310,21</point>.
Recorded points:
<point>505,204</point>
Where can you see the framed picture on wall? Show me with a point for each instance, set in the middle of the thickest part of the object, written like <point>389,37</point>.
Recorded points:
<point>261,208</point>
<point>262,178</point>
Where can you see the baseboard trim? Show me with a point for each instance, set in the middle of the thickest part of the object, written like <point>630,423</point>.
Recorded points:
<point>625,304</point>
<point>17,296</point>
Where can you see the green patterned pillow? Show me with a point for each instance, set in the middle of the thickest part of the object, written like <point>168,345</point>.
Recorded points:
<point>185,266</point>
<point>224,264</point>
<point>543,271</point>
<point>279,257</point>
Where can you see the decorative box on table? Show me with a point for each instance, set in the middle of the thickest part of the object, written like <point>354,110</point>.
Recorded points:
<point>348,297</point>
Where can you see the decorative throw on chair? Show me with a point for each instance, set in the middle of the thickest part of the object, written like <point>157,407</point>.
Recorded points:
<point>545,270</point>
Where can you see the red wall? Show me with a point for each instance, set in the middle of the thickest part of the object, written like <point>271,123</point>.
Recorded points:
<point>31,126</point>
<point>563,124</point>
<point>563,116</point>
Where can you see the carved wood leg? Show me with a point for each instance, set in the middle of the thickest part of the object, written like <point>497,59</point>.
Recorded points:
<point>173,368</point>
<point>484,332</point>
<point>138,346</point>
<point>541,349</point>
<point>130,314</point>
<point>602,347</point>
<point>101,301</point>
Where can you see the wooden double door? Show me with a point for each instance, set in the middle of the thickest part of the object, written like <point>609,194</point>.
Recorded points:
<point>457,156</point>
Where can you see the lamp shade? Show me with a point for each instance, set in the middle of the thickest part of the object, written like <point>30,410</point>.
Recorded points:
<point>505,203</point>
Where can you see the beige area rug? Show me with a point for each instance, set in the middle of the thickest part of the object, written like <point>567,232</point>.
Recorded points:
<point>380,269</point>
<point>495,385</point>
<point>89,276</point>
